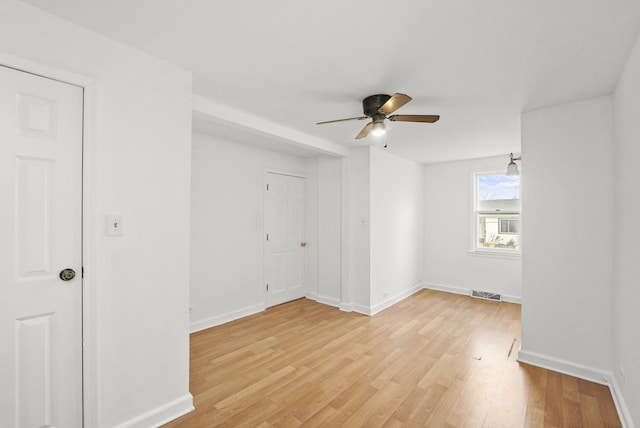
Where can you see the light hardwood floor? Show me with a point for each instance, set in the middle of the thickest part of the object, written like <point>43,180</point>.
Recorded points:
<point>433,360</point>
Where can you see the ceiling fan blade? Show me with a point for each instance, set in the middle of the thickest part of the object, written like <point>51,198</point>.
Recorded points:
<point>365,131</point>
<point>394,103</point>
<point>343,120</point>
<point>425,118</point>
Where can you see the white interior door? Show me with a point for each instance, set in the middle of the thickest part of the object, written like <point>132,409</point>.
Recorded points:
<point>40,226</point>
<point>284,238</point>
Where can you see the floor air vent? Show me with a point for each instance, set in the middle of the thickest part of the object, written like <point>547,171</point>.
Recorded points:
<point>486,295</point>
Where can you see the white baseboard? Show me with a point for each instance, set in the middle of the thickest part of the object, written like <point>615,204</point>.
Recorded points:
<point>395,299</point>
<point>467,291</point>
<point>345,307</point>
<point>621,405</point>
<point>372,310</point>
<point>329,301</point>
<point>162,414</point>
<point>361,309</point>
<point>512,299</point>
<point>591,374</point>
<point>225,318</point>
<point>566,367</point>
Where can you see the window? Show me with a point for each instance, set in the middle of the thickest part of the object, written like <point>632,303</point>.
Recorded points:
<point>496,212</point>
<point>509,226</point>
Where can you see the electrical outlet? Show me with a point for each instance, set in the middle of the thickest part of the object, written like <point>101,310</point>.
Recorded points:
<point>114,225</point>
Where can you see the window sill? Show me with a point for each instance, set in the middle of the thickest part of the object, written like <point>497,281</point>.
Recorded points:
<point>496,254</point>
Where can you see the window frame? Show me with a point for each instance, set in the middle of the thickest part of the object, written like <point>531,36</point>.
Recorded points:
<point>501,231</point>
<point>474,249</point>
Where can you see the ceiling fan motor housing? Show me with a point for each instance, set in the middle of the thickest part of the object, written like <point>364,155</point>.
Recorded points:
<point>372,104</point>
<point>378,107</point>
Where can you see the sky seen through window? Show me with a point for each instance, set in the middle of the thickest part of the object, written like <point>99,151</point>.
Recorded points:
<point>492,187</point>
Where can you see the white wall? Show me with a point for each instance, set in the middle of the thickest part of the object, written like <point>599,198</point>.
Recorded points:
<point>359,250</point>
<point>227,227</point>
<point>397,195</point>
<point>385,230</point>
<point>329,230</point>
<point>448,264</point>
<point>626,292</point>
<point>311,228</point>
<point>324,230</point>
<point>137,160</point>
<point>568,230</point>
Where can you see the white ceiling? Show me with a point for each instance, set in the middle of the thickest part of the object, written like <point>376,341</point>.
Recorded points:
<point>478,64</point>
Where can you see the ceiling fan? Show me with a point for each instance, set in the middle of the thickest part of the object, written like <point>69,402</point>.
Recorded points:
<point>378,108</point>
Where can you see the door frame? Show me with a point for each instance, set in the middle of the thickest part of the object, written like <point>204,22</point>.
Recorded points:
<point>90,379</point>
<point>264,232</point>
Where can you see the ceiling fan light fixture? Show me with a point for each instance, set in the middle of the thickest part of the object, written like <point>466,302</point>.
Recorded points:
<point>512,168</point>
<point>378,129</point>
<point>378,108</point>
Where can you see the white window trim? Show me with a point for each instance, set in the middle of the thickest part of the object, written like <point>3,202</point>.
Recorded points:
<point>499,253</point>
<point>508,220</point>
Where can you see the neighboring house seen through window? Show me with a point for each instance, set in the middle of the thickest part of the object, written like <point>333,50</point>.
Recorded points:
<point>497,212</point>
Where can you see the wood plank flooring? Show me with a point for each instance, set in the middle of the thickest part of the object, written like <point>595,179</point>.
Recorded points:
<point>433,360</point>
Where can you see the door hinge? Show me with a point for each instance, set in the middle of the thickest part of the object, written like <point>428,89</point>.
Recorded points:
<point>267,236</point>
<point>267,287</point>
<point>82,272</point>
<point>267,187</point>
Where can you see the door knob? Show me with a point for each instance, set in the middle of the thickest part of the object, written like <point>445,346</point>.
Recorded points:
<point>67,274</point>
<point>303,244</point>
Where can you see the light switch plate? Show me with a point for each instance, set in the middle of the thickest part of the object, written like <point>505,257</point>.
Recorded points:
<point>114,225</point>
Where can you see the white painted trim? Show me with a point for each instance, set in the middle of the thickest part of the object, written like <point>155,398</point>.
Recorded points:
<point>512,299</point>
<point>346,307</point>
<point>219,113</point>
<point>361,309</point>
<point>226,317</point>
<point>395,299</point>
<point>621,406</point>
<point>372,310</point>
<point>566,367</point>
<point>447,288</point>
<point>329,301</point>
<point>467,291</point>
<point>44,70</point>
<point>488,252</point>
<point>90,283</point>
<point>90,374</point>
<point>497,254</point>
<point>287,173</point>
<point>162,414</point>
<point>602,377</point>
